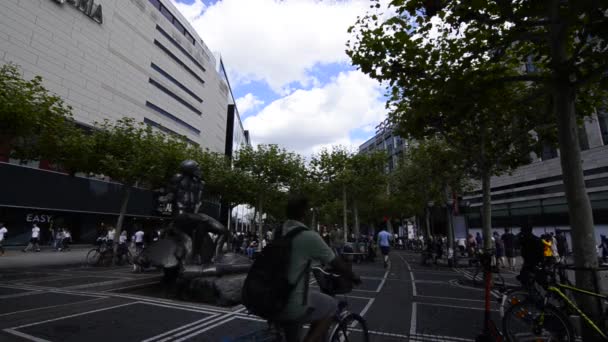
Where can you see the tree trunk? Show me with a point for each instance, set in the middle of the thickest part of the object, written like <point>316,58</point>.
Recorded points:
<point>448,211</point>
<point>253,221</point>
<point>121,218</point>
<point>260,226</point>
<point>313,223</point>
<point>427,219</point>
<point>344,212</point>
<point>356,218</point>
<point>579,207</point>
<point>486,216</point>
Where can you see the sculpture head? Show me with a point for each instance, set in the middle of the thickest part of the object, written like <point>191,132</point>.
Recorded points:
<point>190,167</point>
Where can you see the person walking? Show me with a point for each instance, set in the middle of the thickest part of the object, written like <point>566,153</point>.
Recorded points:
<point>562,245</point>
<point>34,240</point>
<point>508,240</point>
<point>337,240</point>
<point>138,237</point>
<point>110,236</point>
<point>67,239</point>
<point>603,247</point>
<point>554,250</point>
<point>59,235</point>
<point>479,240</point>
<point>547,248</point>
<point>500,250</point>
<point>3,231</point>
<point>384,243</point>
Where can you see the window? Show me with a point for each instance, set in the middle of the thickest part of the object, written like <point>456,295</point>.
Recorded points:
<point>583,142</point>
<point>155,3</point>
<point>178,61</point>
<point>166,13</point>
<point>172,117</point>
<point>174,96</point>
<point>176,82</point>
<point>190,38</point>
<point>602,117</point>
<point>179,26</point>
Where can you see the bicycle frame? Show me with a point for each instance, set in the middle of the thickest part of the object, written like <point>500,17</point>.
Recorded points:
<point>572,305</point>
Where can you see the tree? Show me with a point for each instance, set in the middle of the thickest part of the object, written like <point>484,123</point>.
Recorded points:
<point>272,170</point>
<point>366,179</point>
<point>563,43</point>
<point>331,168</point>
<point>135,155</point>
<point>32,120</point>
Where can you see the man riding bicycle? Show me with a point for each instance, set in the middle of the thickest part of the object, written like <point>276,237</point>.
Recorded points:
<point>304,306</point>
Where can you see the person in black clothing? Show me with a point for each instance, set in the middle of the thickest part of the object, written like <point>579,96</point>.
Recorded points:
<point>508,240</point>
<point>531,251</point>
<point>562,244</point>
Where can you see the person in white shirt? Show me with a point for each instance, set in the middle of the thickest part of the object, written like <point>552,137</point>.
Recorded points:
<point>35,239</point>
<point>59,239</point>
<point>139,240</point>
<point>3,231</point>
<point>67,238</point>
<point>110,236</point>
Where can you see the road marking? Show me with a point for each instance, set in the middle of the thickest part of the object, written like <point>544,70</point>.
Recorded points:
<point>132,286</point>
<point>74,315</point>
<point>367,306</point>
<point>49,307</point>
<point>198,332</point>
<point>384,278</point>
<point>206,326</point>
<point>451,298</point>
<point>180,328</point>
<point>455,306</point>
<point>411,276</point>
<point>413,319</point>
<point>25,336</point>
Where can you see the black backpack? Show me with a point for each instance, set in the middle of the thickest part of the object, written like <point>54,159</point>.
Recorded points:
<point>267,288</point>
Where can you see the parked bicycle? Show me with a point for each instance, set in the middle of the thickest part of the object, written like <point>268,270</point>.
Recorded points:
<point>346,326</point>
<point>543,315</point>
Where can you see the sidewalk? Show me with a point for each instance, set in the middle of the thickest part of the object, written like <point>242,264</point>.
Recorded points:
<point>15,258</point>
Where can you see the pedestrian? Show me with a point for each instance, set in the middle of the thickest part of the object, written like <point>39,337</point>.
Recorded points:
<point>508,240</point>
<point>547,248</point>
<point>138,237</point>
<point>67,239</point>
<point>556,255</point>
<point>500,249</point>
<point>603,247</point>
<point>59,234</point>
<point>438,248</point>
<point>479,240</point>
<point>562,245</point>
<point>384,243</point>
<point>471,245</point>
<point>110,236</point>
<point>337,240</point>
<point>3,231</point>
<point>34,240</point>
<point>532,251</point>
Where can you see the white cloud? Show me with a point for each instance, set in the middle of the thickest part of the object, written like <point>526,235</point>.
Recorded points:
<point>308,120</point>
<point>247,103</point>
<point>276,41</point>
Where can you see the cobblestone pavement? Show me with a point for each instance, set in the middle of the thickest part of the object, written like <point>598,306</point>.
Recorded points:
<point>406,302</point>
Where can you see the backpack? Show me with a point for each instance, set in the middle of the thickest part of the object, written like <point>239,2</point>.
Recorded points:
<point>267,288</point>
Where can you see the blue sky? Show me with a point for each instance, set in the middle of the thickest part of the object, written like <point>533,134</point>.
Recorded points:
<point>293,82</point>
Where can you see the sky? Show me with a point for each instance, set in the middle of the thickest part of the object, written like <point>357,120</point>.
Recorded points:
<point>292,80</point>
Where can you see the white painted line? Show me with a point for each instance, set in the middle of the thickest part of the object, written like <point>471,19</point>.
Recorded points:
<point>367,306</point>
<point>205,329</point>
<point>75,315</point>
<point>452,338</point>
<point>228,316</point>
<point>49,307</point>
<point>384,278</point>
<point>25,336</point>
<point>131,286</point>
<point>180,328</point>
<point>168,302</point>
<point>178,308</point>
<point>414,292</point>
<point>413,319</point>
<point>451,298</point>
<point>454,306</point>
<point>21,294</point>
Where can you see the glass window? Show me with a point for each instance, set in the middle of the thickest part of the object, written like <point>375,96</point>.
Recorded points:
<point>179,26</point>
<point>602,117</point>
<point>190,38</point>
<point>155,3</point>
<point>166,13</point>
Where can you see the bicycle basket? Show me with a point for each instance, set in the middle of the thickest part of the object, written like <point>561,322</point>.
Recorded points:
<point>332,284</point>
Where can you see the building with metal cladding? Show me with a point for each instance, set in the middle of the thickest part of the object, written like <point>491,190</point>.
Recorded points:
<point>386,140</point>
<point>109,59</point>
<point>535,192</point>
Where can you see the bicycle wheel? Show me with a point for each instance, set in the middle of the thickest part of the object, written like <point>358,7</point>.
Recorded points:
<point>511,297</point>
<point>526,321</point>
<point>92,258</point>
<point>351,328</point>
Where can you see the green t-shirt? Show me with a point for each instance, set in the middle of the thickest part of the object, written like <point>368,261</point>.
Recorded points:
<point>306,246</point>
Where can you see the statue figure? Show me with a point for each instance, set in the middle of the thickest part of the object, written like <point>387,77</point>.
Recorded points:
<point>185,194</point>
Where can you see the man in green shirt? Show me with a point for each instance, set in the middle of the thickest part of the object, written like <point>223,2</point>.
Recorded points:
<point>304,306</point>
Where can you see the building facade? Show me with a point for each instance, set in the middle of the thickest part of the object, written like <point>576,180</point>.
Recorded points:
<point>386,140</point>
<point>109,59</point>
<point>535,192</point>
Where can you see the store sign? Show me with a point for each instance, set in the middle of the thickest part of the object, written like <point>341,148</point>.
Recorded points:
<point>88,7</point>
<point>35,218</point>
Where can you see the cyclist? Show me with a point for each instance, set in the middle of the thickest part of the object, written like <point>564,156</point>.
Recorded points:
<point>304,306</point>
<point>532,251</point>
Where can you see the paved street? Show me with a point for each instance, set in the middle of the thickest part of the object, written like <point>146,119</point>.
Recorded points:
<point>407,302</point>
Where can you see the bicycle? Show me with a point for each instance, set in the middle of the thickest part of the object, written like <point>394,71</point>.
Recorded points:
<point>103,254</point>
<point>346,326</point>
<point>543,314</point>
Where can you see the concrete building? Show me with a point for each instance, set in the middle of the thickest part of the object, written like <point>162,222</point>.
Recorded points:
<point>536,191</point>
<point>109,59</point>
<point>386,140</point>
